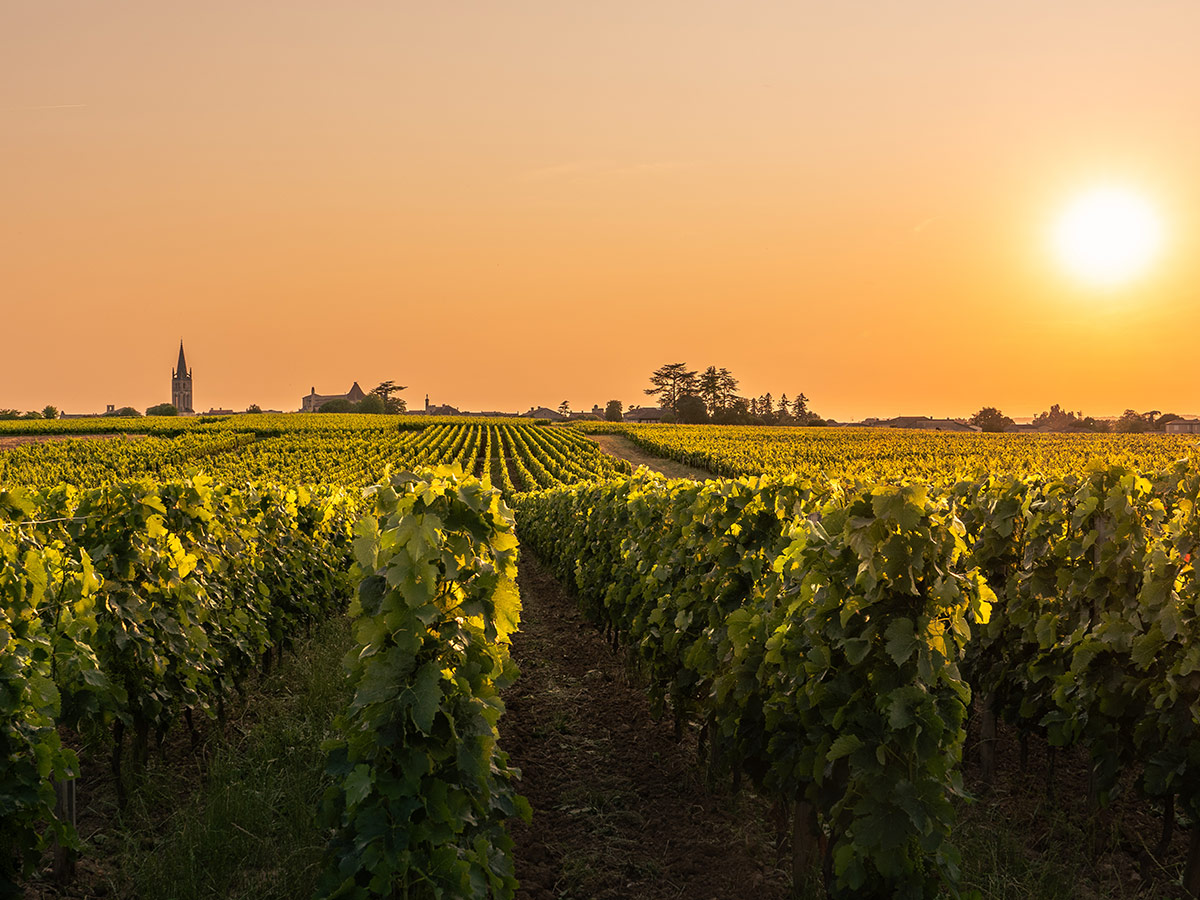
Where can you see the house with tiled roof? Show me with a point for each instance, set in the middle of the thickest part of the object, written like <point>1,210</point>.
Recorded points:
<point>645,414</point>
<point>315,401</point>
<point>542,412</point>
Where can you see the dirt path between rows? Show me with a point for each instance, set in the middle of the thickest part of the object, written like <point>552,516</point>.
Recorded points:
<point>620,808</point>
<point>620,446</point>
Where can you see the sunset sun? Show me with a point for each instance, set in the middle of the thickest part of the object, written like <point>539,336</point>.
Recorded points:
<point>1108,236</point>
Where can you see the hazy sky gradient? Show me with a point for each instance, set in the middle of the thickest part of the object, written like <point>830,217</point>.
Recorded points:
<point>507,205</point>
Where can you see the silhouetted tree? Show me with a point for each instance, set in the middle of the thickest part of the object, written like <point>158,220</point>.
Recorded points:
<point>692,410</point>
<point>564,408</point>
<point>162,409</point>
<point>391,404</point>
<point>1060,419</point>
<point>612,412</point>
<point>1131,422</point>
<point>51,412</point>
<point>729,386</point>
<point>709,389</point>
<point>991,419</point>
<point>253,408</point>
<point>766,409</point>
<point>373,404</point>
<point>800,408</point>
<point>783,414</point>
<point>670,382</point>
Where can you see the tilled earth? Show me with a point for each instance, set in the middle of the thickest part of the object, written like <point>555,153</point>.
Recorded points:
<point>620,809</point>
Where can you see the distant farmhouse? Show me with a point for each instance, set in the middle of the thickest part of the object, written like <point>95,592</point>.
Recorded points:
<point>644,414</point>
<point>438,410</point>
<point>1184,426</point>
<point>315,401</point>
<point>596,415</point>
<point>542,412</point>
<point>444,409</point>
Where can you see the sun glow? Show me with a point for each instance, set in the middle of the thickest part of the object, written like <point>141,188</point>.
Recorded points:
<point>1108,236</point>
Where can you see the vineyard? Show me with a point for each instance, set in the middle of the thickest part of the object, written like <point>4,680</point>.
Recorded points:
<point>828,617</point>
<point>346,450</point>
<point>881,454</point>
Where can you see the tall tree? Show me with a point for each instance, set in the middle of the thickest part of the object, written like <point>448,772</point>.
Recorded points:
<point>612,412</point>
<point>729,386</point>
<point>711,390</point>
<point>384,391</point>
<point>800,408</point>
<point>670,382</point>
<point>692,410</point>
<point>991,419</point>
<point>785,409</point>
<point>1058,419</point>
<point>766,408</point>
<point>1131,422</point>
<point>564,408</point>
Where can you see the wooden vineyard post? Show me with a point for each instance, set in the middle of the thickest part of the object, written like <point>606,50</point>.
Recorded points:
<point>1168,827</point>
<point>64,811</point>
<point>806,848</point>
<point>1191,872</point>
<point>987,739</point>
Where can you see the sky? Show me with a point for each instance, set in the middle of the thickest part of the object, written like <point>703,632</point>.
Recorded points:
<point>509,205</point>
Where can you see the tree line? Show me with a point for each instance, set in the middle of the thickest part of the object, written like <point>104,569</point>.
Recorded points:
<point>1058,419</point>
<point>49,412</point>
<point>693,397</point>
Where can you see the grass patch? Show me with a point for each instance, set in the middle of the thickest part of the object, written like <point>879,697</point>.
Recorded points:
<point>250,829</point>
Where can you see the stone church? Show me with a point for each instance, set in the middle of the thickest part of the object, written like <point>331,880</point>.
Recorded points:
<point>181,385</point>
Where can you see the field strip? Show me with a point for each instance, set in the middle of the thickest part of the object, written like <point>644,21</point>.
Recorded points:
<point>620,807</point>
<point>623,448</point>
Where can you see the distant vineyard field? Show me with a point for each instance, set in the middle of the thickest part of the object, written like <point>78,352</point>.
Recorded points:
<point>875,454</point>
<point>350,451</point>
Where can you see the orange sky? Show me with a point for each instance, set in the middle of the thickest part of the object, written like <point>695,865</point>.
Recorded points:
<point>511,204</point>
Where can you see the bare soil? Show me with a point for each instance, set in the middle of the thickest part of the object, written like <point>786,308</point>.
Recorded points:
<point>623,448</point>
<point>620,809</point>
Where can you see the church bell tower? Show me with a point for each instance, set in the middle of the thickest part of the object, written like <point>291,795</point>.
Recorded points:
<point>181,385</point>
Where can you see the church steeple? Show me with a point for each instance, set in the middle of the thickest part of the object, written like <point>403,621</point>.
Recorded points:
<point>181,369</point>
<point>181,384</point>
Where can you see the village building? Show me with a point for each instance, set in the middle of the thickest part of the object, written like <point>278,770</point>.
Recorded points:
<point>181,385</point>
<point>596,415</point>
<point>315,401</point>
<point>644,414</point>
<point>542,412</point>
<point>1183,426</point>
